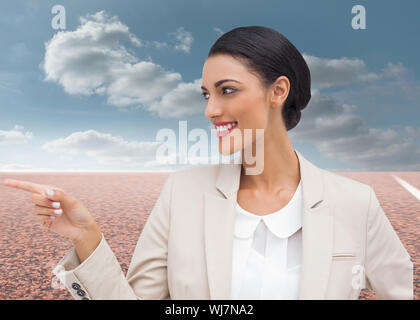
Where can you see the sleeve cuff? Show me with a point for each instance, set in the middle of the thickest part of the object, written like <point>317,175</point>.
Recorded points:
<point>71,262</point>
<point>66,268</point>
<point>98,277</point>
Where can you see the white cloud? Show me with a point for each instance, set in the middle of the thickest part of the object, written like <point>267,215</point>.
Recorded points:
<point>393,79</point>
<point>92,60</point>
<point>160,45</point>
<point>15,136</point>
<point>183,40</point>
<point>415,132</point>
<point>337,72</point>
<point>402,78</point>
<point>104,147</point>
<point>377,149</point>
<point>141,83</point>
<point>187,96</point>
<point>338,132</point>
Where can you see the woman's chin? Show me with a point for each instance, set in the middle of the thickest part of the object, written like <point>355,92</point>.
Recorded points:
<point>231,144</point>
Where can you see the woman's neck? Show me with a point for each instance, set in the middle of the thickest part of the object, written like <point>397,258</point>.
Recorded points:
<point>280,167</point>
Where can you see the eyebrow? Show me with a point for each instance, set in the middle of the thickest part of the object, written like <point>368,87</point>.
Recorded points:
<point>218,83</point>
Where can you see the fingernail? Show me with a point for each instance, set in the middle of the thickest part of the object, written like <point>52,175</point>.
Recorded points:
<point>52,217</point>
<point>58,211</point>
<point>50,192</point>
<point>56,204</point>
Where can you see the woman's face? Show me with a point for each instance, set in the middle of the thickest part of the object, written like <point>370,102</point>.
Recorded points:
<point>241,100</point>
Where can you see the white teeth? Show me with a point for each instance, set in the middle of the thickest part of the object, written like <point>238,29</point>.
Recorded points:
<point>227,127</point>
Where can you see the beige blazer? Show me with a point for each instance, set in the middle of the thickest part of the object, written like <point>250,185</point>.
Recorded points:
<point>185,248</point>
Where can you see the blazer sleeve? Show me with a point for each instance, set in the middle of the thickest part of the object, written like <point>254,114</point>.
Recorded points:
<point>100,276</point>
<point>389,269</point>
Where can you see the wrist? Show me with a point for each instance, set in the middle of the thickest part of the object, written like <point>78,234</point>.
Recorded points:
<point>87,241</point>
<point>89,232</point>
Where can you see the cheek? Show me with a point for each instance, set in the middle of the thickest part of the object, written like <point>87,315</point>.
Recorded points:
<point>250,112</point>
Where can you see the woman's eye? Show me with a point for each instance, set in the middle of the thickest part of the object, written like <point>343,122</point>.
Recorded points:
<point>232,90</point>
<point>223,90</point>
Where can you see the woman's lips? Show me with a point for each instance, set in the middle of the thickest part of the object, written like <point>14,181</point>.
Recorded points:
<point>221,134</point>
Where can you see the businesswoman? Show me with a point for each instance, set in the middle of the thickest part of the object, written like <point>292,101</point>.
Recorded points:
<point>293,231</point>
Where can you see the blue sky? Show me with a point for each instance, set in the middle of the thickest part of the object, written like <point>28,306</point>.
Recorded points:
<point>61,111</point>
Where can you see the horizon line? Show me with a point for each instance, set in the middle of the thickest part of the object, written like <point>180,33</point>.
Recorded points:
<point>163,171</point>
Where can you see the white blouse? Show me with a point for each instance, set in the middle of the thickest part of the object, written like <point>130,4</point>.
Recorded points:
<point>266,265</point>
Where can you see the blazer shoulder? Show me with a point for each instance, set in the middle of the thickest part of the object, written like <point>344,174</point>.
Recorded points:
<point>342,182</point>
<point>347,191</point>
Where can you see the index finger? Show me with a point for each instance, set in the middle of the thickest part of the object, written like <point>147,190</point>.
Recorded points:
<point>23,185</point>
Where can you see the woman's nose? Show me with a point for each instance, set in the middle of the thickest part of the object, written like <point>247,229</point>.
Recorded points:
<point>213,110</point>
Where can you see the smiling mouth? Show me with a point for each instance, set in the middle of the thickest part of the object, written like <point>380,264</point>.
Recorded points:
<point>226,129</point>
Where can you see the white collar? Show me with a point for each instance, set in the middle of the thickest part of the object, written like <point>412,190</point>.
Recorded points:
<point>282,223</point>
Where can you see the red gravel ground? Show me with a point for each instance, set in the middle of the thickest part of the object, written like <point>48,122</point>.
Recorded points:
<point>121,203</point>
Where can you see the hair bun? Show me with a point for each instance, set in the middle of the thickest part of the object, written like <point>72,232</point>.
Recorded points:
<point>293,114</point>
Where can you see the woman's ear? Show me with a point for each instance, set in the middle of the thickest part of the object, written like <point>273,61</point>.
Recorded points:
<point>279,91</point>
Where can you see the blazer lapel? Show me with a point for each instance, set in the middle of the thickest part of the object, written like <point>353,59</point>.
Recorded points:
<point>317,231</point>
<point>219,219</point>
